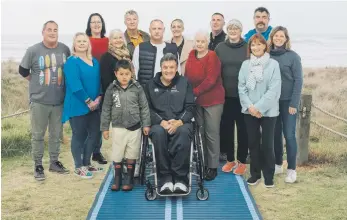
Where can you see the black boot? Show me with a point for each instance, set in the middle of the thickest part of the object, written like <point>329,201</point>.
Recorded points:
<point>117,177</point>
<point>211,174</point>
<point>99,158</point>
<point>129,179</point>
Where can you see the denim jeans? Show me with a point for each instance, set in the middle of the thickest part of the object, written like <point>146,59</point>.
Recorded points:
<point>85,136</point>
<point>286,124</point>
<point>97,147</point>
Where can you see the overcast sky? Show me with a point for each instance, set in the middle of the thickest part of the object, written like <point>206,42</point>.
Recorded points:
<point>314,17</point>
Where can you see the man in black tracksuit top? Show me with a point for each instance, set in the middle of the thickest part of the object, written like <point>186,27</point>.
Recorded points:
<point>171,102</point>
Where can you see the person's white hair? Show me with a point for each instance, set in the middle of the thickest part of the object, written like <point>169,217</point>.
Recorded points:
<point>114,32</point>
<point>204,33</point>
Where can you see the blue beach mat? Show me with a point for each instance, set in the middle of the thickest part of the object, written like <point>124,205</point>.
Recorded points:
<point>229,199</point>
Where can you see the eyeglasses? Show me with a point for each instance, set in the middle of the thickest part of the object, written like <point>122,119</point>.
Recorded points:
<point>96,22</point>
<point>233,29</point>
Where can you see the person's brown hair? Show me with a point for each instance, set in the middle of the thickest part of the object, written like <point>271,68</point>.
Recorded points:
<point>257,37</point>
<point>287,44</point>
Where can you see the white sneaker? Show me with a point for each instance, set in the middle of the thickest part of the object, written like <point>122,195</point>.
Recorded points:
<point>167,188</point>
<point>278,169</point>
<point>291,176</point>
<point>180,188</point>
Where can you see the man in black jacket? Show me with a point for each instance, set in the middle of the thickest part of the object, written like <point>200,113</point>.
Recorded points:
<point>217,34</point>
<point>171,102</point>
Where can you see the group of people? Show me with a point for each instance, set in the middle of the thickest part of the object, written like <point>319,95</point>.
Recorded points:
<point>141,85</point>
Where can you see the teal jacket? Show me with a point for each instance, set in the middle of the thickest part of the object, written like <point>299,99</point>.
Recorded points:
<point>266,34</point>
<point>265,96</point>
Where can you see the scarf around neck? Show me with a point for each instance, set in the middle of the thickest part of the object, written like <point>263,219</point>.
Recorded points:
<point>256,67</point>
<point>122,54</point>
<point>119,53</point>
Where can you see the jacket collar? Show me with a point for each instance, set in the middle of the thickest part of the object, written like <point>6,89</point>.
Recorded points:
<point>158,81</point>
<point>142,33</point>
<point>132,82</point>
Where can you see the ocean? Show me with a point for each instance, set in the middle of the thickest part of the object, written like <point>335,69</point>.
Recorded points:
<point>315,50</point>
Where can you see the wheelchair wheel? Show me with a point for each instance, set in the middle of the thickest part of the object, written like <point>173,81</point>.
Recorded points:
<point>202,195</point>
<point>143,159</point>
<point>150,194</point>
<point>200,158</point>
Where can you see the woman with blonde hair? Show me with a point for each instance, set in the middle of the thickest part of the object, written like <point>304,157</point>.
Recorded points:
<point>259,90</point>
<point>81,104</point>
<point>292,80</point>
<point>184,46</point>
<point>117,50</point>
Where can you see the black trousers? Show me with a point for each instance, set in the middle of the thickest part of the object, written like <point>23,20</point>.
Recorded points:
<point>262,155</point>
<point>231,115</point>
<point>172,152</point>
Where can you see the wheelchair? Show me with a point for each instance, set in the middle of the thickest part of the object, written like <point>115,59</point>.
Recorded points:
<point>148,168</point>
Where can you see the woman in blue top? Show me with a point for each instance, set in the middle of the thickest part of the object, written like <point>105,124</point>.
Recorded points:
<point>81,104</point>
<point>292,80</point>
<point>259,90</point>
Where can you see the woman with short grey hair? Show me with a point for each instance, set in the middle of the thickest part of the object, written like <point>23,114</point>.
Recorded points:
<point>232,53</point>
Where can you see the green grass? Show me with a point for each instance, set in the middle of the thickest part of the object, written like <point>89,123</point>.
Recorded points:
<point>15,136</point>
<point>320,192</point>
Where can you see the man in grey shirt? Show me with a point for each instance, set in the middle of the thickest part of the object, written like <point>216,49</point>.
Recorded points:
<point>42,66</point>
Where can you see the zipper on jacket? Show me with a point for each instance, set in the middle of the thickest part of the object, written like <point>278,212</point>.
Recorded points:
<point>183,114</point>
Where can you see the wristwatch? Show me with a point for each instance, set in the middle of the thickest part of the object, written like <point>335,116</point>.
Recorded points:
<point>88,101</point>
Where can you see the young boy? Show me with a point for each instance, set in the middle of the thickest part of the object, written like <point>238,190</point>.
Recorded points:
<point>125,105</point>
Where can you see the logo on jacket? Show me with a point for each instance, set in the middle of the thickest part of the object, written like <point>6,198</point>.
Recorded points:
<point>174,89</point>
<point>116,99</point>
<point>156,90</point>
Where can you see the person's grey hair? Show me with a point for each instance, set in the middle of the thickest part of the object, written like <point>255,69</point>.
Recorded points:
<point>116,31</point>
<point>156,20</point>
<point>206,34</point>
<point>48,22</point>
<point>168,57</point>
<point>130,12</point>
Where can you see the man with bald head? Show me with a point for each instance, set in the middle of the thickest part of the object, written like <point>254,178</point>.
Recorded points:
<point>147,55</point>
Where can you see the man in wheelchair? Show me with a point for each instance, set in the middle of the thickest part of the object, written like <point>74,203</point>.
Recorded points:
<point>171,102</point>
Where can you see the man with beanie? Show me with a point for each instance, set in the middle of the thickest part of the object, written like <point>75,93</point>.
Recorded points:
<point>261,21</point>
<point>232,52</point>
